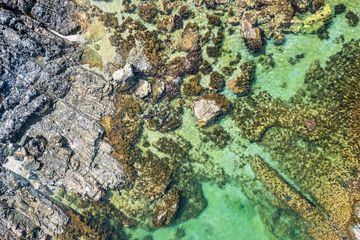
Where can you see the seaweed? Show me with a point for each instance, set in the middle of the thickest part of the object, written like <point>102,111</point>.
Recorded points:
<point>192,87</point>
<point>205,68</point>
<point>217,81</point>
<point>352,18</point>
<point>213,20</point>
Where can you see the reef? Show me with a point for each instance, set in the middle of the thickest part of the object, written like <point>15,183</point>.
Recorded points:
<point>318,227</point>
<point>79,155</point>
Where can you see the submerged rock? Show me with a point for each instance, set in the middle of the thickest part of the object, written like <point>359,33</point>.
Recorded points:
<point>158,88</point>
<point>210,106</point>
<point>139,61</point>
<point>252,36</point>
<point>314,23</point>
<point>241,84</point>
<point>166,208</point>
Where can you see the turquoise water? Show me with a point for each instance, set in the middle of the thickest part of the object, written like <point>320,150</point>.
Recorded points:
<point>232,212</point>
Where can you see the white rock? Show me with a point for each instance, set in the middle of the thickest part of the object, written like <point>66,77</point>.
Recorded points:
<point>144,89</point>
<point>158,88</point>
<point>356,231</point>
<point>205,110</point>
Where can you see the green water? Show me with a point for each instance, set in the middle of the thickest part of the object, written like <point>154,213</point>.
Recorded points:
<point>230,214</point>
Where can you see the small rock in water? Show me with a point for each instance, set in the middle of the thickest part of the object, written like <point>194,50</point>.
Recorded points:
<point>144,89</point>
<point>124,78</point>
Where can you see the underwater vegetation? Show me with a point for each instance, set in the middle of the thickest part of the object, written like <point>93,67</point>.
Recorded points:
<point>313,138</point>
<point>241,85</point>
<point>322,115</point>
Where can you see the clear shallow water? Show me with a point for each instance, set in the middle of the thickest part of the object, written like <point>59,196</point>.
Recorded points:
<point>230,213</point>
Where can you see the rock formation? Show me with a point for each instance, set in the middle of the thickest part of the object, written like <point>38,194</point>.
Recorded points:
<point>49,109</point>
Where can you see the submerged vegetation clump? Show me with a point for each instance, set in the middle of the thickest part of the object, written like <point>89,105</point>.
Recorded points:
<point>215,51</point>
<point>339,8</point>
<point>192,87</point>
<point>353,18</point>
<point>214,20</point>
<point>241,85</point>
<point>147,12</point>
<point>217,135</point>
<point>266,60</point>
<point>206,67</point>
<point>217,81</point>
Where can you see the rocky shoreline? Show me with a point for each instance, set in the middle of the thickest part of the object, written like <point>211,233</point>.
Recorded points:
<point>49,110</point>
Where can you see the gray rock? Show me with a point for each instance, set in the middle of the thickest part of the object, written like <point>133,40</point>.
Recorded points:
<point>37,146</point>
<point>109,69</point>
<point>124,78</point>
<point>32,176</point>
<point>250,17</point>
<point>89,95</point>
<point>26,212</point>
<point>31,164</point>
<point>51,107</point>
<point>139,60</point>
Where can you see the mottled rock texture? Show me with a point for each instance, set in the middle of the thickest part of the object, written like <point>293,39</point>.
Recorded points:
<point>49,113</point>
<point>26,213</point>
